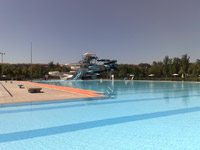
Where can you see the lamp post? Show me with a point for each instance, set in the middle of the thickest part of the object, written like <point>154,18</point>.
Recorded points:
<point>31,64</point>
<point>2,62</point>
<point>2,56</point>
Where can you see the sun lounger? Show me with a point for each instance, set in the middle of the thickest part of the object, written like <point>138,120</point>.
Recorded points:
<point>34,90</point>
<point>21,86</point>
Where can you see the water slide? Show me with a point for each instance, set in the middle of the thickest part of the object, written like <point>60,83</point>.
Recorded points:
<point>61,75</point>
<point>66,76</point>
<point>78,75</point>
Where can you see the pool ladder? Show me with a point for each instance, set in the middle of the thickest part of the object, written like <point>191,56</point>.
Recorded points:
<point>109,91</point>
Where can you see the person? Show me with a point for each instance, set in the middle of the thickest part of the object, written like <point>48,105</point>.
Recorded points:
<point>113,77</point>
<point>132,78</point>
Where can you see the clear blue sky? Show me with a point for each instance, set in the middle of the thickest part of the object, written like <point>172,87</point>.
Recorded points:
<point>131,31</point>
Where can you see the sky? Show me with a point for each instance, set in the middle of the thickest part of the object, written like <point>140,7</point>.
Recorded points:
<point>130,31</point>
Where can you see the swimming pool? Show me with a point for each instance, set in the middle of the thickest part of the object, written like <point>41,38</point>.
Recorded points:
<point>140,115</point>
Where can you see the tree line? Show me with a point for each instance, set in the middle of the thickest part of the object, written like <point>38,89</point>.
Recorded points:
<point>23,71</point>
<point>158,69</point>
<point>169,67</point>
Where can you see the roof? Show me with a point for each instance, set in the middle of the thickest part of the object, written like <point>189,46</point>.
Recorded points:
<point>88,54</point>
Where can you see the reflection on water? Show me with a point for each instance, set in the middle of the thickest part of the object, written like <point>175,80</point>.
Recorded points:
<point>144,89</point>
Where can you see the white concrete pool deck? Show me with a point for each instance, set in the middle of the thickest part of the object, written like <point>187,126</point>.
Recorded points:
<point>11,93</point>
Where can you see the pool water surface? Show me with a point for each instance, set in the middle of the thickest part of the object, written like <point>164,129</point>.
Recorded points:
<point>142,115</point>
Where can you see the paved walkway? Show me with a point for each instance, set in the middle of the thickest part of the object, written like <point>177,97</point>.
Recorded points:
<point>3,92</point>
<point>11,93</point>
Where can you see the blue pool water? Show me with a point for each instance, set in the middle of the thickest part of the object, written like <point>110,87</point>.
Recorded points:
<point>138,115</point>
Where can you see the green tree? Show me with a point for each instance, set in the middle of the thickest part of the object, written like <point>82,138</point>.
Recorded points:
<point>51,65</point>
<point>144,68</point>
<point>176,65</point>
<point>166,63</point>
<point>25,72</point>
<point>185,63</point>
<point>156,69</point>
<point>18,72</point>
<point>193,69</point>
<point>198,66</point>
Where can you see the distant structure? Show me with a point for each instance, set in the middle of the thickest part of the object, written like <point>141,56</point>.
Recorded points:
<point>90,67</point>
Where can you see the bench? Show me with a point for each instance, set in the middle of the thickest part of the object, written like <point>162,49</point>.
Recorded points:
<point>34,90</point>
<point>21,86</point>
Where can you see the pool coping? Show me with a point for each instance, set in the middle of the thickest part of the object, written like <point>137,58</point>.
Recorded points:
<point>67,89</point>
<point>51,93</point>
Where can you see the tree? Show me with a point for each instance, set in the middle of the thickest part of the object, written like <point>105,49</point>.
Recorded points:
<point>156,68</point>
<point>166,62</point>
<point>51,65</point>
<point>26,72</point>
<point>193,69</point>
<point>144,67</point>
<point>185,63</point>
<point>18,72</point>
<point>176,65</point>
<point>198,66</point>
